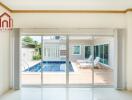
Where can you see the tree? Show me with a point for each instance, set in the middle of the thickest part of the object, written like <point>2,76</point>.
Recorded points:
<point>27,40</point>
<point>30,43</point>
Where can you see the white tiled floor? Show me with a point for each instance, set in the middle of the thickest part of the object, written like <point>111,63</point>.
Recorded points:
<point>67,94</point>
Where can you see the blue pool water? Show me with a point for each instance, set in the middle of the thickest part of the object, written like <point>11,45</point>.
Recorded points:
<point>50,66</point>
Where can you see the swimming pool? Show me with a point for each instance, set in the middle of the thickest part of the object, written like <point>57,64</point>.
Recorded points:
<point>50,66</point>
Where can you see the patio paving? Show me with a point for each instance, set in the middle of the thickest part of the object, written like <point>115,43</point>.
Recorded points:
<point>102,76</point>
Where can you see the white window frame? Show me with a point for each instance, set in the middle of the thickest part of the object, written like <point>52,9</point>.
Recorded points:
<point>80,52</point>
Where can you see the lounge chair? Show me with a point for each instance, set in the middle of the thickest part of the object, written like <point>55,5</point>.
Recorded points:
<point>87,65</point>
<point>86,60</point>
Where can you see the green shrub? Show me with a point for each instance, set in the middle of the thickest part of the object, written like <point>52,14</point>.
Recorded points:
<point>37,57</point>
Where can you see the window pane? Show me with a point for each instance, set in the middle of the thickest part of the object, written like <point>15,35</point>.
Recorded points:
<point>82,73</point>
<point>97,51</point>
<point>54,60</point>
<point>106,54</point>
<point>94,52</point>
<point>101,54</point>
<point>76,49</point>
<point>87,51</point>
<point>103,66</point>
<point>31,60</point>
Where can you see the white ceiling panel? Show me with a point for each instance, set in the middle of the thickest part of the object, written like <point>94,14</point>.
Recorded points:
<point>68,4</point>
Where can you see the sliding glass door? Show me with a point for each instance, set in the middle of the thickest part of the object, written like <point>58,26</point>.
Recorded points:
<point>81,60</point>
<point>31,60</point>
<point>103,60</point>
<point>54,60</point>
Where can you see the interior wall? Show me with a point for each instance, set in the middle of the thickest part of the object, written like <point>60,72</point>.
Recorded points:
<point>4,62</point>
<point>4,58</point>
<point>129,51</point>
<point>68,20</point>
<point>114,21</point>
<point>121,62</point>
<point>64,31</point>
<point>39,20</point>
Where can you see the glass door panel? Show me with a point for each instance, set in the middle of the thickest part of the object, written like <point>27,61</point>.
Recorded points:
<point>103,60</point>
<point>81,60</point>
<point>54,60</point>
<point>31,60</point>
<point>89,60</point>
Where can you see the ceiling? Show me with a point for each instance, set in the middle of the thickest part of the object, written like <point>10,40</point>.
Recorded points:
<point>68,4</point>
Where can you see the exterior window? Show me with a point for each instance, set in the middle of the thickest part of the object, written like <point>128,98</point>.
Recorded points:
<point>87,51</point>
<point>76,50</point>
<point>96,51</point>
<point>101,54</point>
<point>102,51</point>
<point>106,52</point>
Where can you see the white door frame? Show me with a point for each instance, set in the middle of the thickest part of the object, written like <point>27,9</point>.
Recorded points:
<point>67,73</point>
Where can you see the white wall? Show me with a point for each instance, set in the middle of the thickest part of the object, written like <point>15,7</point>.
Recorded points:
<point>129,51</point>
<point>68,20</point>
<point>120,75</point>
<point>113,21</point>
<point>27,54</point>
<point>4,62</point>
<point>4,59</point>
<point>39,20</point>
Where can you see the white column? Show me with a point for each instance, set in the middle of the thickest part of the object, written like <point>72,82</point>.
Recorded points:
<point>119,68</point>
<point>17,67</point>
